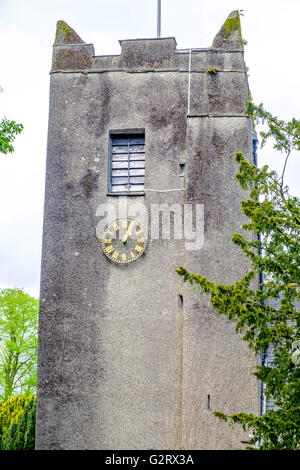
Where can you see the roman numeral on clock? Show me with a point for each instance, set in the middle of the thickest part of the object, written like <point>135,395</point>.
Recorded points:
<point>121,247</point>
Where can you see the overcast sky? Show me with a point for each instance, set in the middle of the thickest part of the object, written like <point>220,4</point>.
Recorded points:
<point>27,31</point>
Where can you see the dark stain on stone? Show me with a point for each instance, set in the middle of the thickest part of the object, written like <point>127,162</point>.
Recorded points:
<point>72,59</point>
<point>98,114</point>
<point>147,53</point>
<point>214,93</point>
<point>83,79</point>
<point>175,114</point>
<point>89,182</point>
<point>69,185</point>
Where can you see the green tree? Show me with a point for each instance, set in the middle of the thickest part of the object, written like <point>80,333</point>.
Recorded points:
<point>18,414</point>
<point>267,317</point>
<point>29,435</point>
<point>10,410</point>
<point>8,132</point>
<point>18,342</point>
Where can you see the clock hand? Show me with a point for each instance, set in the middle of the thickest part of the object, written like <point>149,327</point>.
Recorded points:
<point>128,232</point>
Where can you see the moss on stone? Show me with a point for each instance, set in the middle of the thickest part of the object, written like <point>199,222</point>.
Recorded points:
<point>230,32</point>
<point>66,35</point>
<point>231,26</point>
<point>74,58</point>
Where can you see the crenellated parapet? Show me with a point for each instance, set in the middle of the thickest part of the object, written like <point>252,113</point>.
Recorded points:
<point>71,53</point>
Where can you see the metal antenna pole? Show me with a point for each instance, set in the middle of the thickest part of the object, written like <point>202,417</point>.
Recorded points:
<point>158,18</point>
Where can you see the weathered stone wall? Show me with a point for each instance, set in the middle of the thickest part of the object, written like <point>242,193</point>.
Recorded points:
<point>121,364</point>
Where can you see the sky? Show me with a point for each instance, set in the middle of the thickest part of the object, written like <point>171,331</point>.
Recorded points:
<point>27,31</point>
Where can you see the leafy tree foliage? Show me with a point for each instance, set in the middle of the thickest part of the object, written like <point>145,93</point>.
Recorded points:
<point>8,132</point>
<point>18,342</point>
<point>267,317</point>
<point>17,423</point>
<point>10,410</point>
<point>29,428</point>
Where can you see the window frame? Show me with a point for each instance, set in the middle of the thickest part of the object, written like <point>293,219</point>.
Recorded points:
<point>119,133</point>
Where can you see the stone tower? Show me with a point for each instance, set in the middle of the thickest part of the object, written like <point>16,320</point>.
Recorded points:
<point>129,357</point>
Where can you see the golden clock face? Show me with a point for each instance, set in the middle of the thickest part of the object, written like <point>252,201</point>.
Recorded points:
<point>124,241</point>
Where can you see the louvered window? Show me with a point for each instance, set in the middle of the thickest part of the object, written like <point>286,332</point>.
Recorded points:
<point>267,361</point>
<point>127,163</point>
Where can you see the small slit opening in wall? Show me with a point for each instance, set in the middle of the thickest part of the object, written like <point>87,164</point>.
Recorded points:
<point>208,403</point>
<point>181,169</point>
<point>180,300</point>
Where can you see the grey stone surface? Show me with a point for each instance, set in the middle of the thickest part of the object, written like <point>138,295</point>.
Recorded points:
<point>201,59</point>
<point>151,53</point>
<point>230,35</point>
<point>66,35</point>
<point>72,57</point>
<point>216,361</point>
<point>121,365</point>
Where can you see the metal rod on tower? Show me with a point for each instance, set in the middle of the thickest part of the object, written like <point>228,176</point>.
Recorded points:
<point>158,18</point>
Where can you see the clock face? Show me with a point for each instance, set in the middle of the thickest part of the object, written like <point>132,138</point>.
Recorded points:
<point>124,241</point>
